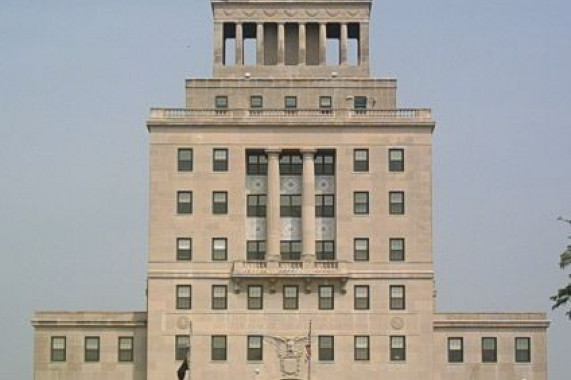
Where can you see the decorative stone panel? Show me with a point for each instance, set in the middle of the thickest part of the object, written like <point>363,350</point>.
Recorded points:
<point>290,185</point>
<point>255,229</point>
<point>325,184</point>
<point>324,229</point>
<point>291,229</point>
<point>256,184</point>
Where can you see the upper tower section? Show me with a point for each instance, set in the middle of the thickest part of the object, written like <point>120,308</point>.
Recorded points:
<point>291,38</point>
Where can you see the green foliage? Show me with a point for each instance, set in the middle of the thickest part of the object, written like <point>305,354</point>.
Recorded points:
<point>563,296</point>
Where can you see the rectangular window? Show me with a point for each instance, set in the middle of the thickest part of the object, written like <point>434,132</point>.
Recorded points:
<point>397,297</point>
<point>183,297</point>
<point>325,104</point>
<point>256,101</point>
<point>396,160</point>
<point>325,163</point>
<point>257,163</point>
<point>361,249</point>
<point>218,347</point>
<point>184,202</point>
<point>257,206</point>
<point>221,102</point>
<point>489,350</point>
<point>398,348</point>
<point>325,206</point>
<point>219,249</point>
<point>220,160</point>
<point>58,349</point>
<point>290,206</point>
<point>290,250</point>
<point>361,348</point>
<point>522,350</point>
<point>291,297</point>
<point>326,300</point>
<point>185,160</point>
<point>291,164</point>
<point>325,249</point>
<point>396,249</point>
<point>396,202</point>
<point>455,350</point>
<point>256,250</point>
<point>361,202</point>
<point>361,301</point>
<point>219,297</point>
<point>255,348</point>
<point>361,160</point>
<point>255,297</point>
<point>125,349</point>
<point>181,346</point>
<point>219,202</point>
<point>290,102</point>
<point>184,249</point>
<point>326,346</point>
<point>92,347</point>
<point>360,104</point>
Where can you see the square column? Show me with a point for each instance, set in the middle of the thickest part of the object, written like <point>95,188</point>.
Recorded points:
<point>239,45</point>
<point>302,44</point>
<point>273,221</point>
<point>308,206</point>
<point>260,44</point>
<point>281,43</point>
<point>218,44</point>
<point>322,44</point>
<point>343,44</point>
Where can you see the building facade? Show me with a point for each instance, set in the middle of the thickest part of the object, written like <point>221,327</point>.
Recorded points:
<point>290,192</point>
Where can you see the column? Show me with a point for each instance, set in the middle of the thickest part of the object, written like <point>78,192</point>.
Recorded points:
<point>322,44</point>
<point>260,44</point>
<point>343,45</point>
<point>218,44</point>
<point>364,45</point>
<point>239,45</point>
<point>308,206</point>
<point>281,43</point>
<point>302,44</point>
<point>273,221</point>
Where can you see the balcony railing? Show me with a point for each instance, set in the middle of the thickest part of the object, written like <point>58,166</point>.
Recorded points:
<point>288,268</point>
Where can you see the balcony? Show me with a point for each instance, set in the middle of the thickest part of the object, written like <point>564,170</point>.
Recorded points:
<point>257,269</point>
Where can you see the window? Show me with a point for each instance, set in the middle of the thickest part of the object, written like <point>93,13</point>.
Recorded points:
<point>396,249</point>
<point>326,347</point>
<point>397,297</point>
<point>255,297</point>
<point>183,297</point>
<point>360,104</point>
<point>361,160</point>
<point>325,104</point>
<point>325,206</point>
<point>398,348</point>
<point>184,249</point>
<point>396,160</point>
<point>182,344</point>
<point>361,300</point>
<point>185,160</point>
<point>361,203</point>
<point>255,348</point>
<point>291,297</point>
<point>290,102</point>
<point>290,206</point>
<point>256,250</point>
<point>256,101</point>
<point>361,249</point>
<point>522,350</point>
<point>219,249</point>
<point>219,297</point>
<point>58,349</point>
<point>184,202</point>
<point>220,160</point>
<point>125,349</point>
<point>91,349</point>
<point>257,163</point>
<point>221,102</point>
<point>455,350</point>
<point>290,250</point>
<point>325,249</point>
<point>396,203</point>
<point>361,348</point>
<point>325,163</point>
<point>257,206</point>
<point>220,202</point>
<point>218,347</point>
<point>326,293</point>
<point>489,350</point>
<point>291,164</point>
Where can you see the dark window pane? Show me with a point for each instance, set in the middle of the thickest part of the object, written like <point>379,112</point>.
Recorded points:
<point>185,160</point>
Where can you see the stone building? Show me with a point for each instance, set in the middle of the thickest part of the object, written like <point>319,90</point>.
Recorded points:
<point>291,190</point>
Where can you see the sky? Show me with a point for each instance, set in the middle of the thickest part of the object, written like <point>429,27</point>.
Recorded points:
<point>77,79</point>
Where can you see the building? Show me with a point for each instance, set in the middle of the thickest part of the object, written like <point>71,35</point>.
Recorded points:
<point>291,190</point>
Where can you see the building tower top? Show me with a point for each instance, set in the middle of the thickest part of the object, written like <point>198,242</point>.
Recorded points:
<point>287,38</point>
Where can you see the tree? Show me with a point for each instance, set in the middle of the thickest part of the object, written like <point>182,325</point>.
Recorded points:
<point>563,296</point>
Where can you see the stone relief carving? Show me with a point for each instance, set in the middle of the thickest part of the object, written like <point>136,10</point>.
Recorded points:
<point>256,229</point>
<point>291,229</point>
<point>299,14</point>
<point>325,185</point>
<point>290,185</point>
<point>397,323</point>
<point>290,351</point>
<point>256,184</point>
<point>325,229</point>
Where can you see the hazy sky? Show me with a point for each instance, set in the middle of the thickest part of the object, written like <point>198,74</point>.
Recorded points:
<point>77,78</point>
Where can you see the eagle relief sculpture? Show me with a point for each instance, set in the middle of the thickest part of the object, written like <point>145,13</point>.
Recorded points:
<point>290,351</point>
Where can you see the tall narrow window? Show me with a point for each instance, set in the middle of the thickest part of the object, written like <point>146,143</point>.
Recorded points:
<point>455,350</point>
<point>396,160</point>
<point>290,250</point>
<point>256,250</point>
<point>219,297</point>
<point>325,162</point>
<point>125,353</point>
<point>398,348</point>
<point>361,249</point>
<point>181,346</point>
<point>184,249</point>
<point>325,249</point>
<point>291,297</point>
<point>185,160</point>
<point>397,297</point>
<point>326,301</point>
<point>361,348</point>
<point>220,160</point>
<point>257,206</point>
<point>396,249</point>
<point>257,163</point>
<point>290,206</point>
<point>325,105</point>
<point>58,349</point>
<point>219,249</point>
<point>218,347</point>
<point>184,202</point>
<point>396,202</point>
<point>220,202</point>
<point>325,206</point>
<point>361,301</point>
<point>361,160</point>
<point>255,297</point>
<point>326,346</point>
<point>522,350</point>
<point>255,348</point>
<point>183,297</point>
<point>92,347</point>
<point>361,203</point>
<point>489,350</point>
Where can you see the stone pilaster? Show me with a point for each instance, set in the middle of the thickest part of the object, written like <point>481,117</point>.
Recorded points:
<point>322,44</point>
<point>281,43</point>
<point>273,221</point>
<point>218,44</point>
<point>308,205</point>
<point>302,44</point>
<point>343,45</point>
<point>239,45</point>
<point>260,44</point>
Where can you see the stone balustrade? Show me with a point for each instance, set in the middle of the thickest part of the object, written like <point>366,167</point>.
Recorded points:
<point>247,269</point>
